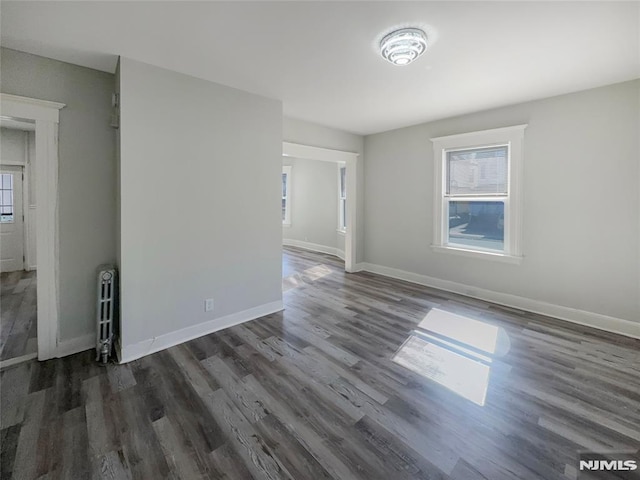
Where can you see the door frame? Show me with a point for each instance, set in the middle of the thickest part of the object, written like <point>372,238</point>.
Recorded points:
<point>46,115</point>
<point>350,159</point>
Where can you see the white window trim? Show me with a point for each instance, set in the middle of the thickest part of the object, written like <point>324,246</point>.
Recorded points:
<point>514,138</point>
<point>341,229</point>
<point>287,213</point>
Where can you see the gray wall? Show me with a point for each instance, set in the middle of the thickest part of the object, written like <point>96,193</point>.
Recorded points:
<point>581,222</point>
<point>12,145</point>
<point>314,202</point>
<point>86,174</point>
<point>312,134</point>
<point>200,170</point>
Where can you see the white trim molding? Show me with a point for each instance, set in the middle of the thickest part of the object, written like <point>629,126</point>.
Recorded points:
<point>30,254</point>
<point>351,160</point>
<point>297,150</point>
<point>10,362</point>
<point>496,257</point>
<point>573,315</point>
<point>76,345</point>
<point>128,353</point>
<point>314,247</point>
<point>12,163</point>
<point>360,267</point>
<point>27,108</point>
<point>46,116</point>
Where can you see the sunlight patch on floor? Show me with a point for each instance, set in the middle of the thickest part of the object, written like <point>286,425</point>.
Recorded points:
<point>309,275</point>
<point>458,373</point>
<point>454,351</point>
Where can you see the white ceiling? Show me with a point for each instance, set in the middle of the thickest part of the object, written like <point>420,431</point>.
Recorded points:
<point>320,58</point>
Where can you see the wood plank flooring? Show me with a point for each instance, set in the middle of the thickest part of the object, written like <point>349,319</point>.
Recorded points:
<point>18,316</point>
<point>313,393</point>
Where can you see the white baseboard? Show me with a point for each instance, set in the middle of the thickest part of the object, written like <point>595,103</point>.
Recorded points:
<point>75,345</point>
<point>129,353</point>
<point>10,362</point>
<point>581,317</point>
<point>314,247</point>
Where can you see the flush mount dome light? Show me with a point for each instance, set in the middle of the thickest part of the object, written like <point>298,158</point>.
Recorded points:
<point>403,46</point>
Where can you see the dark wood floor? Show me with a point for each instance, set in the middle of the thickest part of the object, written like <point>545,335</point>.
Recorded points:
<point>313,393</point>
<point>18,314</point>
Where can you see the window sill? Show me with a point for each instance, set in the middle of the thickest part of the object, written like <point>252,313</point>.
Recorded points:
<point>286,225</point>
<point>498,257</point>
<point>341,232</point>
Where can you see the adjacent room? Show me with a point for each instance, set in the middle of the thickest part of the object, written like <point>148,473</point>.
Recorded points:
<point>18,338</point>
<point>320,240</point>
<point>314,201</point>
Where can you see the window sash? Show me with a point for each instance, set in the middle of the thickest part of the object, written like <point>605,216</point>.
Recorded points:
<point>286,194</point>
<point>447,200</point>
<point>447,172</point>
<point>342,197</point>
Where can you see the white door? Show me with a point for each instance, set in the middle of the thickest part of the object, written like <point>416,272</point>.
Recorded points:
<point>11,220</point>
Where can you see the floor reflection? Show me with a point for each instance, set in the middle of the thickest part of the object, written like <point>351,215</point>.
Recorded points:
<point>455,351</point>
<point>309,275</point>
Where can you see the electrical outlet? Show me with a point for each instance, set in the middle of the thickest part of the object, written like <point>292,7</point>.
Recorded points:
<point>208,305</point>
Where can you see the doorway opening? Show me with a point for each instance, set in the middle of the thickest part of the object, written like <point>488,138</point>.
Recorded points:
<point>319,204</point>
<point>18,230</point>
<point>28,223</point>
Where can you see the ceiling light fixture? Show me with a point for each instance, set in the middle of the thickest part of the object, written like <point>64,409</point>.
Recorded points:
<point>403,46</point>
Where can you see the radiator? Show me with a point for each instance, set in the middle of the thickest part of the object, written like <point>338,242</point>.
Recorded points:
<point>105,312</point>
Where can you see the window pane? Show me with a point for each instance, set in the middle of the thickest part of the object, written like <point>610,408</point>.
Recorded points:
<point>284,209</point>
<point>477,224</point>
<point>478,171</point>
<point>284,185</point>
<point>343,208</point>
<point>7,197</point>
<point>343,183</point>
<point>7,181</point>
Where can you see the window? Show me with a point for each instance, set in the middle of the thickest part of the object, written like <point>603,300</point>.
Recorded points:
<point>286,195</point>
<point>342,198</point>
<point>6,198</point>
<point>478,195</point>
